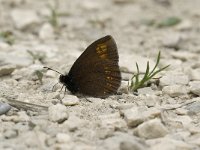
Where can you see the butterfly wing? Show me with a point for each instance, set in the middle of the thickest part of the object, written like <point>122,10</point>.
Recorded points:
<point>96,71</point>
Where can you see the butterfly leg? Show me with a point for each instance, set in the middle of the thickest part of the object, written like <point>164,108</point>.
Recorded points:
<point>54,86</point>
<point>87,99</point>
<point>61,87</point>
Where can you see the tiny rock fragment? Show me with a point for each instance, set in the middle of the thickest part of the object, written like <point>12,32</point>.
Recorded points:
<point>70,100</point>
<point>152,129</point>
<point>58,113</point>
<point>4,108</point>
<point>6,70</point>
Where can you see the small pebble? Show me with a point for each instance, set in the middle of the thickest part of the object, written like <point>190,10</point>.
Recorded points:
<point>70,100</point>
<point>6,70</point>
<point>133,116</point>
<point>4,108</point>
<point>63,138</point>
<point>58,113</point>
<point>195,87</point>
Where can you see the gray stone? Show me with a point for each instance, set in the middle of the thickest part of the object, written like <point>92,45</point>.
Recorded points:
<point>152,129</point>
<point>195,87</point>
<point>4,108</point>
<point>194,107</point>
<point>173,78</point>
<point>24,18</point>
<point>6,70</point>
<point>175,90</point>
<point>58,113</point>
<point>70,100</point>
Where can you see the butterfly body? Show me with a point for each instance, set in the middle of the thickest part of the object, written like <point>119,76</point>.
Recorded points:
<point>96,72</point>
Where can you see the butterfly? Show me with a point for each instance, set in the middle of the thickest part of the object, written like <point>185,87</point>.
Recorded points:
<point>96,72</point>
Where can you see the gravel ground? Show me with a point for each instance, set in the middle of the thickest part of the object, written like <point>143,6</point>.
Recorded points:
<point>164,115</point>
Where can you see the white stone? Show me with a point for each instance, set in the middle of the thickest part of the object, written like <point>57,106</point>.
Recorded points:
<point>63,138</point>
<point>152,129</point>
<point>195,87</point>
<point>175,90</point>
<point>24,18</point>
<point>173,78</point>
<point>58,113</point>
<point>6,70</point>
<point>46,32</point>
<point>70,100</point>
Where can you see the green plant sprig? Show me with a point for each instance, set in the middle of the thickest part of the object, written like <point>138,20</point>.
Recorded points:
<point>136,83</point>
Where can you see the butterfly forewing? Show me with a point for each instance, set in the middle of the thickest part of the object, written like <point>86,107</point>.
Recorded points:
<point>96,71</point>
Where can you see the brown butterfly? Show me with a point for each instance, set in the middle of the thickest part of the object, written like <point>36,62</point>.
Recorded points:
<point>96,72</point>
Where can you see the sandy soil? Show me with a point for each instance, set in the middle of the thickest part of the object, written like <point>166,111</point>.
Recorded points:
<point>163,115</point>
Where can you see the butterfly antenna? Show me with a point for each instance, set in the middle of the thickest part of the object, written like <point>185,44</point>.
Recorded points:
<point>52,70</point>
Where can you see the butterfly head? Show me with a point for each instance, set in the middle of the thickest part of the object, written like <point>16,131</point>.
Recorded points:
<point>64,79</point>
